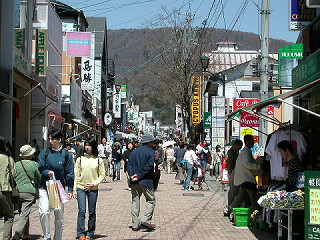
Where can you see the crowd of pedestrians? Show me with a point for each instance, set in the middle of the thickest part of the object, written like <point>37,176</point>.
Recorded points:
<point>83,165</point>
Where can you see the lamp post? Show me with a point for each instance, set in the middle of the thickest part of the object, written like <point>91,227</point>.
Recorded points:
<point>215,77</point>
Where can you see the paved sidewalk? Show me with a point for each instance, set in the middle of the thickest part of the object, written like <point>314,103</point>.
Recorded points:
<point>198,216</point>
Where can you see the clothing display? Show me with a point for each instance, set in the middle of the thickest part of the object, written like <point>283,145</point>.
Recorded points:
<point>279,167</point>
<point>282,199</point>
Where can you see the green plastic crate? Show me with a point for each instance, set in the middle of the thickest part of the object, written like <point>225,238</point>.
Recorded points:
<point>242,216</point>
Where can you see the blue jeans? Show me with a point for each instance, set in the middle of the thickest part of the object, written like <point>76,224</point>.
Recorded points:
<point>203,165</point>
<point>186,184</point>
<point>92,201</point>
<point>116,169</point>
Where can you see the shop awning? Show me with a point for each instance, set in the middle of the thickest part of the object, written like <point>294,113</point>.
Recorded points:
<point>38,85</point>
<point>275,100</point>
<point>86,126</point>
<point>56,117</point>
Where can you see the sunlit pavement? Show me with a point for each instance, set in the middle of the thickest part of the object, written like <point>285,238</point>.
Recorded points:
<point>178,214</point>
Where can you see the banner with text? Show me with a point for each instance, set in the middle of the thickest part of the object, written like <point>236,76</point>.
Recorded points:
<point>117,101</point>
<point>87,73</point>
<point>196,102</point>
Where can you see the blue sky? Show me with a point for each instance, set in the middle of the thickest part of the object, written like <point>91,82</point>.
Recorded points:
<point>139,13</point>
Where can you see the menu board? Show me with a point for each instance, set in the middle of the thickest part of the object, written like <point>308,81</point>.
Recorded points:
<point>312,205</point>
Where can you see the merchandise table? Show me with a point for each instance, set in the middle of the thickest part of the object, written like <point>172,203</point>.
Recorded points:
<point>285,212</point>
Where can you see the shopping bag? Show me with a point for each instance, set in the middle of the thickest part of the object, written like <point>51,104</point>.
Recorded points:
<point>199,172</point>
<point>53,194</point>
<point>62,192</point>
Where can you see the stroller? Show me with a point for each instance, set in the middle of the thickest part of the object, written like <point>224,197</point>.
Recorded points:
<point>199,179</point>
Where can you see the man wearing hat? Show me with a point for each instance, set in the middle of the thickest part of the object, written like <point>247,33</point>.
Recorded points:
<point>141,172</point>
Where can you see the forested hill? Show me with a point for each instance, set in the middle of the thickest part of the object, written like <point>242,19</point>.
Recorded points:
<point>130,48</point>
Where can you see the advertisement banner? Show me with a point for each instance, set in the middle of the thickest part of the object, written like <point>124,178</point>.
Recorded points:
<point>244,102</point>
<point>300,15</point>
<point>116,101</point>
<point>41,52</point>
<point>87,73</point>
<point>78,44</point>
<point>248,120</point>
<point>196,103</point>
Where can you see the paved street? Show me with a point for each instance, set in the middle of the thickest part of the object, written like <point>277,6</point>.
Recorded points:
<point>198,216</point>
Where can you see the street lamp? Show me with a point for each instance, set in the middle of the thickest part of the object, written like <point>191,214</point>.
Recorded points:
<point>214,77</point>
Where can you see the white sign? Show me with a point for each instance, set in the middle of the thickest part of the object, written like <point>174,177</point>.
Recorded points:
<point>218,101</point>
<point>116,102</point>
<point>87,73</point>
<point>97,80</point>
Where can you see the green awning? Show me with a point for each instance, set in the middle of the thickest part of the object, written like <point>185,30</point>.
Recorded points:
<point>275,100</point>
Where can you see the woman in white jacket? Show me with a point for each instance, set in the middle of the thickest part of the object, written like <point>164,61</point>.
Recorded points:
<point>192,159</point>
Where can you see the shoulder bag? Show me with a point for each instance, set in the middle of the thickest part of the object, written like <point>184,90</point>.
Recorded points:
<point>32,182</point>
<point>13,184</point>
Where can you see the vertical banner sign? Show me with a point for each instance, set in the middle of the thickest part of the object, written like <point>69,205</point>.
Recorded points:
<point>19,39</point>
<point>116,101</point>
<point>300,15</point>
<point>123,91</point>
<point>312,205</point>
<point>247,120</point>
<point>196,102</point>
<point>97,79</point>
<point>41,52</point>
<point>218,121</point>
<point>124,117</point>
<point>87,73</point>
<point>207,120</point>
<point>78,44</point>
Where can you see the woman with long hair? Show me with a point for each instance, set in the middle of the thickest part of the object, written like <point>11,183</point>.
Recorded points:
<point>89,173</point>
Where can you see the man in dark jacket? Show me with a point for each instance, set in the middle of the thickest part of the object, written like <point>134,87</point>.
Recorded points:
<point>141,172</point>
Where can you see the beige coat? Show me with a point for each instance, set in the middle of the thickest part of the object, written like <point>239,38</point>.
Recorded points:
<point>4,172</point>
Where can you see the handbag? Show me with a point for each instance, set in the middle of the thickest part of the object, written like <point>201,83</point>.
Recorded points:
<point>13,184</point>
<point>184,163</point>
<point>32,182</point>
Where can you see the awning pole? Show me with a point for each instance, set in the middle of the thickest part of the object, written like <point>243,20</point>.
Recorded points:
<point>250,126</point>
<point>301,108</point>
<point>30,91</point>
<point>80,133</point>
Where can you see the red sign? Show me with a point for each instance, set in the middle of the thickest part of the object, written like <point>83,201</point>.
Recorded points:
<point>248,120</point>
<point>245,102</point>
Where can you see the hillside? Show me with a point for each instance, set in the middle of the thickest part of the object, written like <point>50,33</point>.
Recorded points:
<point>131,48</point>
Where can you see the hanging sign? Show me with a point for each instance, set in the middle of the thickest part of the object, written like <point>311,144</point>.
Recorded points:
<point>117,101</point>
<point>300,15</point>
<point>195,105</point>
<point>87,73</point>
<point>78,44</point>
<point>123,91</point>
<point>248,120</point>
<point>41,52</point>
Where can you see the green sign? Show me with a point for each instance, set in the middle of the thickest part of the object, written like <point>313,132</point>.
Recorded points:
<point>307,71</point>
<point>294,51</point>
<point>19,41</point>
<point>207,120</point>
<point>312,205</point>
<point>41,55</point>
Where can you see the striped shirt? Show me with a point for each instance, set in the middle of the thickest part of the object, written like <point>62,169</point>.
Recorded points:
<point>295,166</point>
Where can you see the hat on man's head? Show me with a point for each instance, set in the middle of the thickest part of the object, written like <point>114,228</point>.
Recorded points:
<point>147,138</point>
<point>26,151</point>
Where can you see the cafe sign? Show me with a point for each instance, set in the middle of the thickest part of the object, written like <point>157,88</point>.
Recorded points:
<point>41,52</point>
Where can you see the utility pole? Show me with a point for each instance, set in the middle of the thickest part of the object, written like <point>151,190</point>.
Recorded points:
<point>264,68</point>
